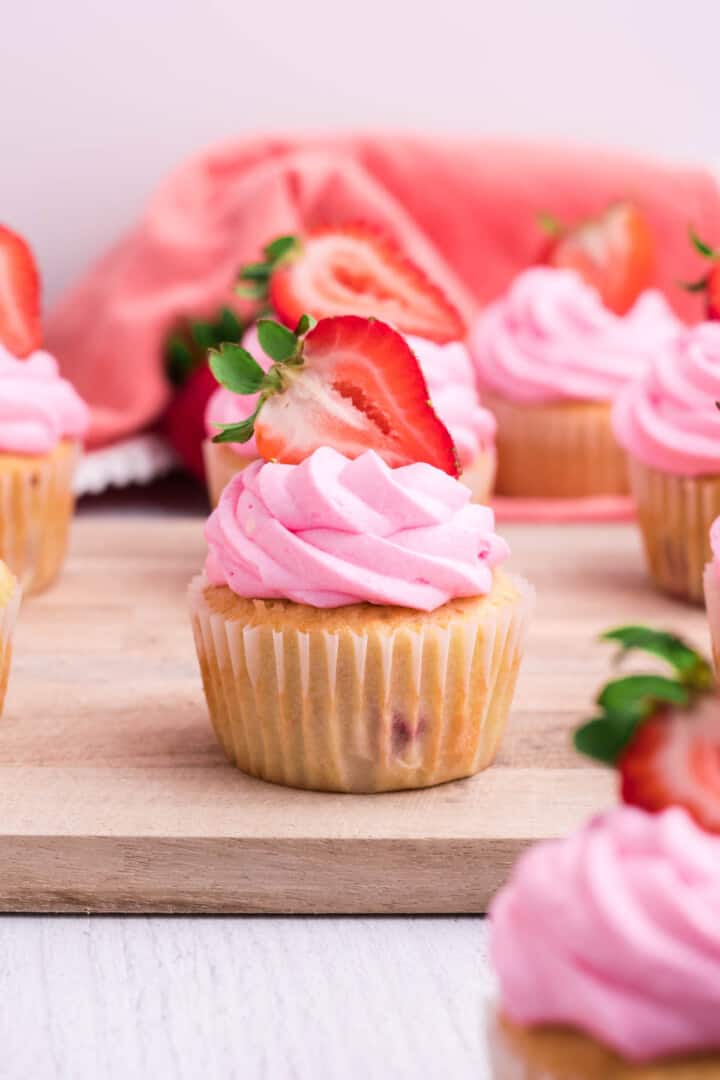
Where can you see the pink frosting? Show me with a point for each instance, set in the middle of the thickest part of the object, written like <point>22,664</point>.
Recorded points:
<point>616,931</point>
<point>225,407</point>
<point>331,531</point>
<point>669,419</point>
<point>38,408</point>
<point>450,377</point>
<point>551,339</point>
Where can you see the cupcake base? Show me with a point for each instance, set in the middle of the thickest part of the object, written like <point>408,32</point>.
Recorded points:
<point>555,1053</point>
<point>712,603</point>
<point>221,464</point>
<point>562,450</point>
<point>360,698</point>
<point>479,476</point>
<point>36,505</point>
<point>675,514</point>
<point>9,605</point>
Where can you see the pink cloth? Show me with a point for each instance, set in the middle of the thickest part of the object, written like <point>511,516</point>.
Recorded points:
<point>464,208</point>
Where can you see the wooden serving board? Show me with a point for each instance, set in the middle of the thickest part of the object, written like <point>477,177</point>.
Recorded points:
<point>114,796</point>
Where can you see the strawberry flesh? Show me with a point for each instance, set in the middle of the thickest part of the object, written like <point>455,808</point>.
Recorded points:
<point>613,253</point>
<point>359,388</point>
<point>674,759</point>
<point>358,270</point>
<point>19,295</point>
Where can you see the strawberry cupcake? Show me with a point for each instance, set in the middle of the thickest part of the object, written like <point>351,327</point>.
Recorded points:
<point>712,591</point>
<point>669,424</point>
<point>550,360</point>
<point>42,424</point>
<point>355,628</point>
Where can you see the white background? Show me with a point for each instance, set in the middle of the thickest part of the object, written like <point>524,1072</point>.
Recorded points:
<point>98,98</point>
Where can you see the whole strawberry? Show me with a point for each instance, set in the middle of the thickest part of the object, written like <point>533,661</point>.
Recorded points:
<point>661,733</point>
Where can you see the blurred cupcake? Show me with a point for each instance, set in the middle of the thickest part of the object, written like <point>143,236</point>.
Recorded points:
<point>550,360</point>
<point>225,460</point>
<point>606,947</point>
<point>354,628</point>
<point>450,378</point>
<point>669,424</point>
<point>712,592</point>
<point>9,604</point>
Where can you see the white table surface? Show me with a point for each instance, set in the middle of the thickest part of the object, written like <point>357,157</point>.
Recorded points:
<point>327,998</point>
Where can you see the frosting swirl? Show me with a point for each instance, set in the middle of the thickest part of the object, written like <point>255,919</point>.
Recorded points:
<point>669,419</point>
<point>450,378</point>
<point>331,531</point>
<point>38,408</point>
<point>616,931</point>
<point>551,339</point>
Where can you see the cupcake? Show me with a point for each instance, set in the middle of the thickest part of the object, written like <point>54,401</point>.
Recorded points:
<point>712,591</point>
<point>450,378</point>
<point>9,604</point>
<point>606,947</point>
<point>355,628</point>
<point>550,360</point>
<point>224,460</point>
<point>669,424</point>
<point>42,422</point>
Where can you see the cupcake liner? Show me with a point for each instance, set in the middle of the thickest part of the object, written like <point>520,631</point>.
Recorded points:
<point>221,464</point>
<point>479,476</point>
<point>675,514</point>
<point>711,582</point>
<point>36,505</point>
<point>8,617</point>
<point>558,450</point>
<point>385,700</point>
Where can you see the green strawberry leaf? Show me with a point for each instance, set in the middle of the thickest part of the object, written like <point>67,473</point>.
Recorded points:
<point>203,334</point>
<point>638,695</point>
<point>276,340</point>
<point>252,290</point>
<point>235,369</point>
<point>279,248</point>
<point>259,271</point>
<point>305,322</point>
<point>693,670</point>
<point>240,433</point>
<point>605,737</point>
<point>549,224</point>
<point>179,360</point>
<point>701,285</point>
<point>228,325</point>
<point>701,247</point>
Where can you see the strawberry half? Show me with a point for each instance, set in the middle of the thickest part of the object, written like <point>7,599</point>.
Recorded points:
<point>709,283</point>
<point>351,269</point>
<point>661,733</point>
<point>346,382</point>
<point>19,295</point>
<point>613,253</point>
<point>674,759</point>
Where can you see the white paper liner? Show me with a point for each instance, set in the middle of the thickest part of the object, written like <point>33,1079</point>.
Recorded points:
<point>8,618</point>
<point>403,705</point>
<point>675,514</point>
<point>221,465</point>
<point>139,460</point>
<point>557,450</point>
<point>36,505</point>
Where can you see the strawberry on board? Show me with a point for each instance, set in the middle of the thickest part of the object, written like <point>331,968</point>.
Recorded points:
<point>709,283</point>
<point>612,252</point>
<point>352,269</point>
<point>19,295</point>
<point>661,733</point>
<point>346,382</point>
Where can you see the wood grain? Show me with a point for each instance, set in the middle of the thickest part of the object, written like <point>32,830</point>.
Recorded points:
<point>115,797</point>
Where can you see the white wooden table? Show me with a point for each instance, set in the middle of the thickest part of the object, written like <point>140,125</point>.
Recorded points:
<point>149,998</point>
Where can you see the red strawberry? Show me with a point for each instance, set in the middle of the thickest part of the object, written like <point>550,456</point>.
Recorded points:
<point>613,253</point>
<point>709,283</point>
<point>350,383</point>
<point>674,759</point>
<point>184,421</point>
<point>19,295</point>
<point>352,269</point>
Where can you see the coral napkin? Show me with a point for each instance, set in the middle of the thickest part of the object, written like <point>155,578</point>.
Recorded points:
<point>464,208</point>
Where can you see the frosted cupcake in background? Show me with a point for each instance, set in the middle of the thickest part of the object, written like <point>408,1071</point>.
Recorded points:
<point>550,360</point>
<point>669,424</point>
<point>42,425</point>
<point>354,625</point>
<point>712,591</point>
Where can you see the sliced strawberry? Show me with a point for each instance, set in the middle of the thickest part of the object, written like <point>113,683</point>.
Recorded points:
<point>356,269</point>
<point>350,383</point>
<point>19,295</point>
<point>673,759</point>
<point>613,253</point>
